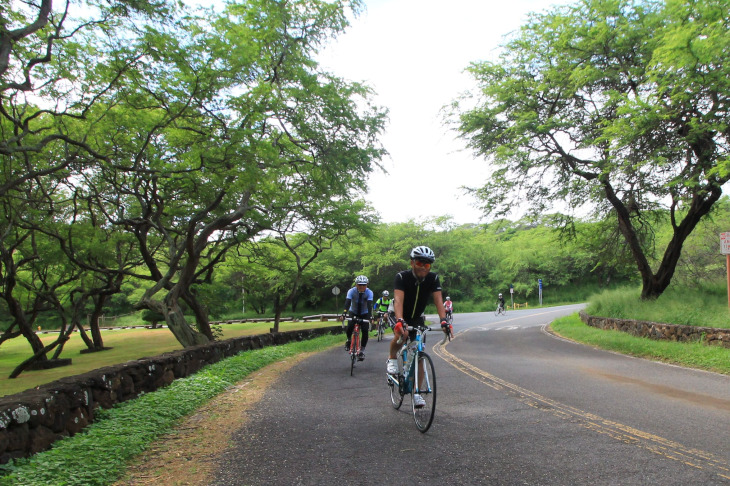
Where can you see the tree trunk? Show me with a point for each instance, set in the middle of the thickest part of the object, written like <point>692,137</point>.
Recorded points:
<point>277,312</point>
<point>663,277</point>
<point>40,356</point>
<point>653,285</point>
<point>76,317</point>
<point>26,329</point>
<point>201,315</point>
<point>99,302</point>
<point>175,320</point>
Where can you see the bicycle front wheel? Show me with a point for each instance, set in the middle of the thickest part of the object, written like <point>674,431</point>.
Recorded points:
<point>396,397</point>
<point>423,416</point>
<point>354,348</point>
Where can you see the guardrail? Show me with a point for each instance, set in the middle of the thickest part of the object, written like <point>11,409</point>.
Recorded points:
<point>321,317</point>
<point>148,326</point>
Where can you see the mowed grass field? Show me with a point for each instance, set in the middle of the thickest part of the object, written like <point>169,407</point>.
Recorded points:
<point>126,344</point>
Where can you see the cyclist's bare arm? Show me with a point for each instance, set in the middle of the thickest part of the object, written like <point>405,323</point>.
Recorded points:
<point>439,304</point>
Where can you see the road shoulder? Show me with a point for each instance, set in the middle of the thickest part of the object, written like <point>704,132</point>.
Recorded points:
<point>187,455</point>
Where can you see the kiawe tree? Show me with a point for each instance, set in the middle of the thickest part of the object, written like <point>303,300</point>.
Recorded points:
<point>181,133</point>
<point>620,104</point>
<point>229,129</point>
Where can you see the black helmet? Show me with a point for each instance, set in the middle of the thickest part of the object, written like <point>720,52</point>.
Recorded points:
<point>423,253</point>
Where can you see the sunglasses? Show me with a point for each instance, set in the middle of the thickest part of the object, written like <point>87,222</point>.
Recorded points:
<point>423,264</point>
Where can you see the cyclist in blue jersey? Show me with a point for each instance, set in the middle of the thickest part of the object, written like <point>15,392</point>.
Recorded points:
<point>358,303</point>
<point>413,288</point>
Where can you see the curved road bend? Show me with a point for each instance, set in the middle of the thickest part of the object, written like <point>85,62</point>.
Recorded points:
<point>516,405</point>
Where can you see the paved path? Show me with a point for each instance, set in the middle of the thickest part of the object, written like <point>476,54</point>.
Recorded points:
<point>515,406</point>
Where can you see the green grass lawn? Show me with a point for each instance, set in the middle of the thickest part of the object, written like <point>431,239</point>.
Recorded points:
<point>126,344</point>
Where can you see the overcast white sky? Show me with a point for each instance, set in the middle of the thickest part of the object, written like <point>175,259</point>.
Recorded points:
<point>413,53</point>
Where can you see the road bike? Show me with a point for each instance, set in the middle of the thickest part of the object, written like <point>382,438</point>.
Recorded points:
<point>355,344</point>
<point>380,326</point>
<point>448,331</point>
<point>500,310</point>
<point>384,322</point>
<point>415,380</point>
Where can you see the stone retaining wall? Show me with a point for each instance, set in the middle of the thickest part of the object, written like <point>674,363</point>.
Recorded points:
<point>32,420</point>
<point>656,330</point>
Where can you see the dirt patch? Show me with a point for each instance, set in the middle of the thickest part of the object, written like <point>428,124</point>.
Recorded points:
<point>187,455</point>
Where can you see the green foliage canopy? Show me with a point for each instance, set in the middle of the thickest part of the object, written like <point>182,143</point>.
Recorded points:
<point>621,105</point>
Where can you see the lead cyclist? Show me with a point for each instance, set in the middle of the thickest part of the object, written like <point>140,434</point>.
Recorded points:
<point>412,290</point>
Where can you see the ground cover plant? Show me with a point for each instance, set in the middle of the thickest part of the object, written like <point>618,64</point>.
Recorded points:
<point>705,305</point>
<point>694,355</point>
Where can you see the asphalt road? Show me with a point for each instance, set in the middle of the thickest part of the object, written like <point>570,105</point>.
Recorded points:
<point>516,405</point>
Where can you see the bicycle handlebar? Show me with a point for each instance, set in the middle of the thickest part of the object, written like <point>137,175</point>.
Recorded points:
<point>418,328</point>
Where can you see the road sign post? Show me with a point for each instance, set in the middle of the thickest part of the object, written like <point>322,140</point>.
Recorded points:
<point>512,295</point>
<point>539,287</point>
<point>725,250</point>
<point>336,292</point>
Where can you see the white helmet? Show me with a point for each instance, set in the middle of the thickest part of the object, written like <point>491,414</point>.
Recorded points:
<point>385,293</point>
<point>448,298</point>
<point>500,295</point>
<point>423,253</point>
<point>361,280</point>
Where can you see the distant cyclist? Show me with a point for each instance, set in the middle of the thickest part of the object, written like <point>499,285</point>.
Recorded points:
<point>500,301</point>
<point>359,304</point>
<point>449,307</point>
<point>381,305</point>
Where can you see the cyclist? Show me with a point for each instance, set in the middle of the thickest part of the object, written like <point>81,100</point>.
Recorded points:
<point>500,301</point>
<point>359,303</point>
<point>448,307</point>
<point>412,289</point>
<point>382,304</point>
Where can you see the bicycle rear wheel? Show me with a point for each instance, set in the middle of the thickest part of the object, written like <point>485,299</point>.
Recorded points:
<point>423,416</point>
